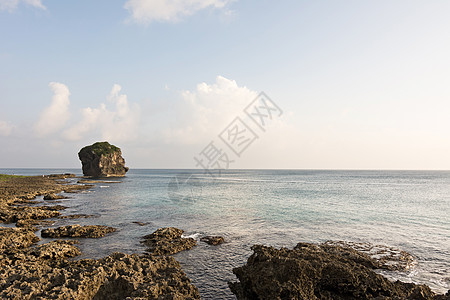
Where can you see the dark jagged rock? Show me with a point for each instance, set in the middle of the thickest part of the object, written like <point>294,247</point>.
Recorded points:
<point>141,223</point>
<point>88,231</point>
<point>54,250</point>
<point>31,224</point>
<point>213,240</point>
<point>166,241</point>
<point>61,176</point>
<point>76,216</point>
<point>312,271</point>
<point>45,272</point>
<point>22,190</point>
<point>16,238</point>
<point>54,197</point>
<point>52,207</point>
<point>385,257</point>
<point>11,214</point>
<point>102,160</point>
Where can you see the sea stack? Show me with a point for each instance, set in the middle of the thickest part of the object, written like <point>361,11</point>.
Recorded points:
<point>102,159</point>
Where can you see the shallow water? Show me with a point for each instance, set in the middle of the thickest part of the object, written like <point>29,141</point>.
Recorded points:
<point>404,209</point>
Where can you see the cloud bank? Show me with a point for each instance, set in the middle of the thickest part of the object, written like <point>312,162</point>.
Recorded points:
<point>147,11</point>
<point>54,117</point>
<point>162,133</point>
<point>11,5</point>
<point>117,124</point>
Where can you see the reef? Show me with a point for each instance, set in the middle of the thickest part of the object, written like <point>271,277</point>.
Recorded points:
<point>324,271</point>
<point>87,231</point>
<point>49,271</point>
<point>169,240</point>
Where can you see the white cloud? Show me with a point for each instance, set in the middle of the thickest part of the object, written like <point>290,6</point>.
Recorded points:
<point>11,5</point>
<point>116,125</point>
<point>57,114</point>
<point>204,112</point>
<point>207,110</point>
<point>147,11</point>
<point>5,128</point>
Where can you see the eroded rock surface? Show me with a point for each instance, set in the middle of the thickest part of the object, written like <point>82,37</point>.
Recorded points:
<point>18,192</point>
<point>16,238</point>
<point>311,271</point>
<point>102,159</point>
<point>212,240</point>
<point>388,258</point>
<point>54,250</point>
<point>166,241</point>
<point>87,231</point>
<point>29,271</point>
<point>44,272</point>
<point>54,197</point>
<point>77,216</point>
<point>32,224</point>
<point>27,188</point>
<point>12,214</point>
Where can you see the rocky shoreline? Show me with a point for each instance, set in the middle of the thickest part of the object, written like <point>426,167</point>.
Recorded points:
<point>331,270</point>
<point>46,271</point>
<point>320,271</point>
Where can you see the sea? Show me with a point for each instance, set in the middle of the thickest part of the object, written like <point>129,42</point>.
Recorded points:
<point>407,210</point>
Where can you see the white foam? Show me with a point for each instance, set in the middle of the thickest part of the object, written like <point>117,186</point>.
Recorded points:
<point>194,236</point>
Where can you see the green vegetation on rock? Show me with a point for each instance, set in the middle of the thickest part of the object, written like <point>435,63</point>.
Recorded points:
<point>102,159</point>
<point>6,176</point>
<point>103,148</point>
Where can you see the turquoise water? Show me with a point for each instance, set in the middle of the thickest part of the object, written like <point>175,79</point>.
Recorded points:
<point>405,209</point>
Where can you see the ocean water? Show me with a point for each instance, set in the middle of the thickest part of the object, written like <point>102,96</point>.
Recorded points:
<point>408,210</point>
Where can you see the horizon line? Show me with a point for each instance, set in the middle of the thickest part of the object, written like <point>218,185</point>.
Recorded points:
<point>249,169</point>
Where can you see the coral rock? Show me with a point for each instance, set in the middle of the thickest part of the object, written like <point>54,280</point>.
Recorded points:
<point>213,240</point>
<point>102,160</point>
<point>88,231</point>
<point>312,271</point>
<point>165,241</point>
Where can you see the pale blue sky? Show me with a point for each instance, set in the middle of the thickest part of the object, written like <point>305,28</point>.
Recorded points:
<point>362,84</point>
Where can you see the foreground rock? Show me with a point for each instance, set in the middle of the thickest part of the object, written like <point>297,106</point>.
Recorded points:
<point>312,271</point>
<point>88,231</point>
<point>385,257</point>
<point>32,224</point>
<point>166,241</point>
<point>55,250</point>
<point>213,240</point>
<point>16,238</point>
<point>14,214</point>
<point>44,272</point>
<point>102,160</point>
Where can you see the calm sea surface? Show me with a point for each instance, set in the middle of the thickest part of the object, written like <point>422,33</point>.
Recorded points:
<point>406,209</point>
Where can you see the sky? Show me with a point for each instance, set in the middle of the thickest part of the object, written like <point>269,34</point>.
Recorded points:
<point>347,84</point>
